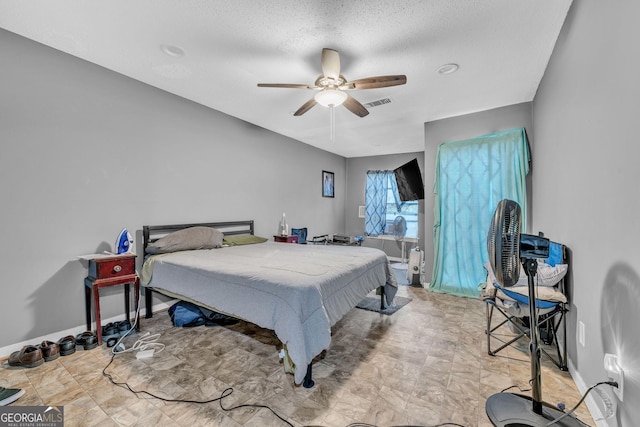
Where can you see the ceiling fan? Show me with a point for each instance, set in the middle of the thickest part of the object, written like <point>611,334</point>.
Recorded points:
<point>331,86</point>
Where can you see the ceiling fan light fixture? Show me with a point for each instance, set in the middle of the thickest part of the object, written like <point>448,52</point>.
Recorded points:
<point>330,97</point>
<point>331,84</point>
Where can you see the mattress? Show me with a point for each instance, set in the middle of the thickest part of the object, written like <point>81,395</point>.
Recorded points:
<point>298,291</point>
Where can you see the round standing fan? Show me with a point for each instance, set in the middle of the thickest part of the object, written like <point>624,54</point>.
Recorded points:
<point>399,227</point>
<point>399,231</point>
<point>503,243</point>
<point>507,247</point>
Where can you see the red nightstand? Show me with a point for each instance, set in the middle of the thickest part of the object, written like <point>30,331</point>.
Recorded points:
<point>110,271</point>
<point>286,239</point>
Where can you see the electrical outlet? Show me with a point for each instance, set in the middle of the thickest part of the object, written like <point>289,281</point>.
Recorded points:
<point>615,373</point>
<point>581,333</point>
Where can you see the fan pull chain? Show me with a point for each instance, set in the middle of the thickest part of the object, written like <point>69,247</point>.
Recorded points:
<point>332,125</point>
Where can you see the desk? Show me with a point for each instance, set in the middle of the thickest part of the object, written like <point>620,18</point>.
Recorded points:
<point>110,271</point>
<point>286,239</point>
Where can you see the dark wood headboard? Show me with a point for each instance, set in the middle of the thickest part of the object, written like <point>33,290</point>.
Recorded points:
<point>151,233</point>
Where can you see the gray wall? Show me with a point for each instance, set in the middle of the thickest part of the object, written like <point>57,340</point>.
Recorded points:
<point>86,152</point>
<point>357,168</point>
<point>586,182</point>
<point>460,128</point>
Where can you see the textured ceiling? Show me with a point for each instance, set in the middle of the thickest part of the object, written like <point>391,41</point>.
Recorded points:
<point>502,47</point>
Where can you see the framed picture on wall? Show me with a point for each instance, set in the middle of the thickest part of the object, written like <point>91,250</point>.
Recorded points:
<point>327,184</point>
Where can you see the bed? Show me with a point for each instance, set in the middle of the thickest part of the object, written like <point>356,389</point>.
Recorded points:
<point>298,291</point>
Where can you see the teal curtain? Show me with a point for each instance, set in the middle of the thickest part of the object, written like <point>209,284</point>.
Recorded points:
<point>471,177</point>
<point>376,202</point>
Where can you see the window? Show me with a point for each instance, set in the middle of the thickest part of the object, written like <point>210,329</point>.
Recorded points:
<point>383,206</point>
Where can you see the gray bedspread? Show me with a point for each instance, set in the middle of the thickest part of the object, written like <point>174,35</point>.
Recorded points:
<point>298,291</point>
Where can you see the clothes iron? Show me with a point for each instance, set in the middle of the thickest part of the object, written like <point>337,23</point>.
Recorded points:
<point>124,242</point>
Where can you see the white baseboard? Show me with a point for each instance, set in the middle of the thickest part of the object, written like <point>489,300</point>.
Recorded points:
<point>7,350</point>
<point>592,405</point>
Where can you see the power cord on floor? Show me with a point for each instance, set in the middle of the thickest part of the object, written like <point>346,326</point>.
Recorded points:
<point>516,386</point>
<point>584,396</point>
<point>144,343</point>
<point>227,392</point>
<point>118,347</point>
<point>149,342</point>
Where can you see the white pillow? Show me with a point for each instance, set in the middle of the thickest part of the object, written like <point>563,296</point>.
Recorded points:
<point>546,275</point>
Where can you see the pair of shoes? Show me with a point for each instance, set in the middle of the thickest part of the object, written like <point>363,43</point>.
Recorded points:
<point>50,350</point>
<point>110,329</point>
<point>123,326</point>
<point>10,395</point>
<point>29,357</point>
<point>67,345</point>
<point>88,340</point>
<point>115,330</point>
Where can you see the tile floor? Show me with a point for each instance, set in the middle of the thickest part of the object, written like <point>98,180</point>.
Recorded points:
<point>424,365</point>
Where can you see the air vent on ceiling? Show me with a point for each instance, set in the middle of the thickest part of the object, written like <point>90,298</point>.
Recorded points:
<point>378,102</point>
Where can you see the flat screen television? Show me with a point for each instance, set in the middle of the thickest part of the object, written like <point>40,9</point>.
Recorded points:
<point>409,180</point>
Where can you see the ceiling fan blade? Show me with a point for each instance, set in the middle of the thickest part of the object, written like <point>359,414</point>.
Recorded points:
<point>331,63</point>
<point>286,85</point>
<point>355,107</point>
<point>375,82</point>
<point>305,107</point>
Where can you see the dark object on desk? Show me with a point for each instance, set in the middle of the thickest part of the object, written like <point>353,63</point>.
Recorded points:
<point>340,238</point>
<point>301,233</point>
<point>337,239</point>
